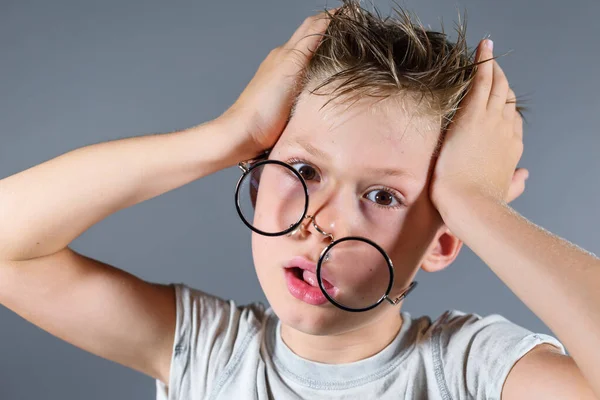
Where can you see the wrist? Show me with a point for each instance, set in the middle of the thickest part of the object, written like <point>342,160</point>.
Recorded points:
<point>455,205</point>
<point>224,142</point>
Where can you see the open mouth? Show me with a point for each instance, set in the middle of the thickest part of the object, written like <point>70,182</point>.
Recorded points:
<point>302,283</point>
<point>309,277</point>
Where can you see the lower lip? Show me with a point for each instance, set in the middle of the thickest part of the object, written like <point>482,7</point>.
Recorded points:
<point>303,291</point>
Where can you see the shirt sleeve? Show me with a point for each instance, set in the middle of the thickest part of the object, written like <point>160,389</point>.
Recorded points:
<point>473,355</point>
<point>207,332</point>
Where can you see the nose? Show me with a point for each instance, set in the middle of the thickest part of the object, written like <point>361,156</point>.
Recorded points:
<point>309,224</point>
<point>325,217</point>
<point>310,219</point>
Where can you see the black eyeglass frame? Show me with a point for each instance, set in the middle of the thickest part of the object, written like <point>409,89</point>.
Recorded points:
<point>389,263</point>
<point>248,166</point>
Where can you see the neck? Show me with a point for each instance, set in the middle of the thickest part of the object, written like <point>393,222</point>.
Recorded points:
<point>346,347</point>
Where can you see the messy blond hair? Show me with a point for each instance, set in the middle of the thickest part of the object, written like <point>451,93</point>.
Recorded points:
<point>362,54</point>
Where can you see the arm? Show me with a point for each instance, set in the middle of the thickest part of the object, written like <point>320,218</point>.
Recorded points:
<point>85,302</point>
<point>90,304</point>
<point>557,280</point>
<point>70,193</point>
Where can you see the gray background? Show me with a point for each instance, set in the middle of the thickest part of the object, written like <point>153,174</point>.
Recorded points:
<point>80,72</point>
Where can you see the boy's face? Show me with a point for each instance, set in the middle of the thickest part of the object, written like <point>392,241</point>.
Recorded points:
<point>348,156</point>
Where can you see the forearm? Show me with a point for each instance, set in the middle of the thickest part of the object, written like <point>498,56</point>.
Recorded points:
<point>557,280</point>
<point>44,208</point>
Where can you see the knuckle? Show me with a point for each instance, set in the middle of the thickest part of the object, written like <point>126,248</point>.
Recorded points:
<point>273,54</point>
<point>519,147</point>
<point>518,124</point>
<point>519,119</point>
<point>498,67</point>
<point>483,75</point>
<point>294,55</point>
<point>484,82</point>
<point>484,85</point>
<point>501,83</point>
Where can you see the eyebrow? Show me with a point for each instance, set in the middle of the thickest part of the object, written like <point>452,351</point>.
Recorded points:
<point>375,171</point>
<point>392,172</point>
<point>312,149</point>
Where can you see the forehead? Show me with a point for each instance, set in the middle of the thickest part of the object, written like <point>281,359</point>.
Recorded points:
<point>364,129</point>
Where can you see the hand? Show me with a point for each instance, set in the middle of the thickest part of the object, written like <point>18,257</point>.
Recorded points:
<point>517,186</point>
<point>484,143</point>
<point>263,108</point>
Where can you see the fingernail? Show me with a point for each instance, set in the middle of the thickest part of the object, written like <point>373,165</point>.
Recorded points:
<point>490,44</point>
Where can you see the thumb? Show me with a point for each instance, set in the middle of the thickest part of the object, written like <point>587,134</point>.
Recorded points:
<point>517,185</point>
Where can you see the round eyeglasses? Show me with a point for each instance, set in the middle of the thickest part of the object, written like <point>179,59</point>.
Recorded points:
<point>353,273</point>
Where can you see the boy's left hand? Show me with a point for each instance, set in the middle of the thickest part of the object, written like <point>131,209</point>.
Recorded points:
<point>483,144</point>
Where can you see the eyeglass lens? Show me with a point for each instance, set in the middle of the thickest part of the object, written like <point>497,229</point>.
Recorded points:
<point>354,274</point>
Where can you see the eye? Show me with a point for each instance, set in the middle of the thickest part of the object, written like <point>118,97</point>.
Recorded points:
<point>307,171</point>
<point>384,198</point>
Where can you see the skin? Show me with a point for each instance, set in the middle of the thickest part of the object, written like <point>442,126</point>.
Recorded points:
<point>331,141</point>
<point>473,181</point>
<point>96,306</point>
<point>556,279</point>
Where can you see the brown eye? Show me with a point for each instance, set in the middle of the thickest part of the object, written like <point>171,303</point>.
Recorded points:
<point>306,171</point>
<point>383,198</point>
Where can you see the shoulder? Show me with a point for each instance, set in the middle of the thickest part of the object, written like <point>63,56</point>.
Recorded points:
<point>454,329</point>
<point>210,332</point>
<point>475,353</point>
<point>201,314</point>
<point>200,303</point>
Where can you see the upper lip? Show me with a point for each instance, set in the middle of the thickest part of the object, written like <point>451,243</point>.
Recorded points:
<point>302,263</point>
<point>305,264</point>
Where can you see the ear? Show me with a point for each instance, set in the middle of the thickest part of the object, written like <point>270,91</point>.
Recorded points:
<point>442,252</point>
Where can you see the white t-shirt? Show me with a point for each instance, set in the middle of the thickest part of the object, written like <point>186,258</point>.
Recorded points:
<point>225,351</point>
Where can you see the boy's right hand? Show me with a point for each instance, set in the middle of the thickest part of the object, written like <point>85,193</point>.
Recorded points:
<point>264,106</point>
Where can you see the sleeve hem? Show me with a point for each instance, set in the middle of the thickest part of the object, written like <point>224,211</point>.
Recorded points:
<point>521,349</point>
<point>180,352</point>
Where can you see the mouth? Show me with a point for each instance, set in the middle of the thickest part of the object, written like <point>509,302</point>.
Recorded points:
<point>302,282</point>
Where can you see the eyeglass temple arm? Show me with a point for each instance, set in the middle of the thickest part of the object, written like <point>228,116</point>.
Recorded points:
<point>247,164</point>
<point>403,295</point>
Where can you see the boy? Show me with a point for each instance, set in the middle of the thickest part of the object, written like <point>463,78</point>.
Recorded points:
<point>370,152</point>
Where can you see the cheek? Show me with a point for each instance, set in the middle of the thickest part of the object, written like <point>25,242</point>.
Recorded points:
<point>269,254</point>
<point>266,258</point>
<point>262,205</point>
<point>279,204</point>
<point>260,250</point>
<point>411,244</point>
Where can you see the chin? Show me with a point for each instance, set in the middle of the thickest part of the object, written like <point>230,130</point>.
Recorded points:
<point>314,320</point>
<point>304,317</point>
<point>309,319</point>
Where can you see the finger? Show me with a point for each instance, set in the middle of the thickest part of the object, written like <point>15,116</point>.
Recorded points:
<point>521,173</point>
<point>517,185</point>
<point>309,33</point>
<point>518,125</point>
<point>515,191</point>
<point>482,81</point>
<point>510,108</point>
<point>499,91</point>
